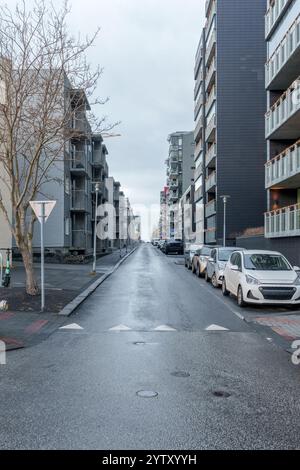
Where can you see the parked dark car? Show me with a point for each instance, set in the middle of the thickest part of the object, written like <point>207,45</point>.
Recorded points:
<point>173,247</point>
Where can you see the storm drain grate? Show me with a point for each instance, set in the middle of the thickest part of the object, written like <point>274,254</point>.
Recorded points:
<point>181,374</point>
<point>221,394</point>
<point>147,394</point>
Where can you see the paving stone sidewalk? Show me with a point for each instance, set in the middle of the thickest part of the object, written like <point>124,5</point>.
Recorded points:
<point>23,324</point>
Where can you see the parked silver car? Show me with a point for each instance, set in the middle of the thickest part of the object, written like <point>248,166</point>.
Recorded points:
<point>189,253</point>
<point>216,264</point>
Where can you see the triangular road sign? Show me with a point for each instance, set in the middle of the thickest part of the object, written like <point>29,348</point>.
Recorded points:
<point>37,208</point>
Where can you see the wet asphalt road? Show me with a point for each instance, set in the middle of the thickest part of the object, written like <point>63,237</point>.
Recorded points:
<point>77,389</point>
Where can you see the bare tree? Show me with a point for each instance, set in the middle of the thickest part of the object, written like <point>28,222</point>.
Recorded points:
<point>45,82</point>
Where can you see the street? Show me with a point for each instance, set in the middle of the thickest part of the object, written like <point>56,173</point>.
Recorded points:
<point>145,330</point>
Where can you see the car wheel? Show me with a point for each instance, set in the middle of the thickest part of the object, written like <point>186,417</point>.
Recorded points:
<point>206,276</point>
<point>225,292</point>
<point>214,281</point>
<point>240,298</point>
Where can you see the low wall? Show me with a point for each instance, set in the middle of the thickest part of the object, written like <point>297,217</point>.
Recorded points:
<point>289,247</point>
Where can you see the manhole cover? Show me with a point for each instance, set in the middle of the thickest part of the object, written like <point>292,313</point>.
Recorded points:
<point>181,374</point>
<point>221,394</point>
<point>147,394</point>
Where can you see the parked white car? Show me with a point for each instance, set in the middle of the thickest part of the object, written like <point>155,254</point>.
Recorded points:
<point>261,277</point>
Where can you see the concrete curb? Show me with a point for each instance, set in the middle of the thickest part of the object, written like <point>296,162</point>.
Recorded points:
<point>72,306</point>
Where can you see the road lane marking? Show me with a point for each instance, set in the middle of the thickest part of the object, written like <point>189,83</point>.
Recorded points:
<point>164,328</point>
<point>216,328</point>
<point>73,326</point>
<point>120,328</point>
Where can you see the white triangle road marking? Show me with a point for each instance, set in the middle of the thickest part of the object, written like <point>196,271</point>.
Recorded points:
<point>216,328</point>
<point>73,326</point>
<point>164,328</point>
<point>120,328</point>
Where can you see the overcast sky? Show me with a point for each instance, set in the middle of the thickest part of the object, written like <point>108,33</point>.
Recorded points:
<point>147,48</point>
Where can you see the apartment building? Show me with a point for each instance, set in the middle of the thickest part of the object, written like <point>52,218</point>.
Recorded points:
<point>282,221</point>
<point>164,214</point>
<point>180,165</point>
<point>229,126</point>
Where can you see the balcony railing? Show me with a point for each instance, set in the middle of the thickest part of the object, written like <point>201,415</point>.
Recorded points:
<point>211,181</point>
<point>283,166</point>
<point>199,127</point>
<point>208,5</point>
<point>210,100</point>
<point>79,160</point>
<point>79,200</point>
<point>210,72</point>
<point>210,127</point>
<point>174,196</point>
<point>210,47</point>
<point>198,148</point>
<point>273,14</point>
<point>284,108</point>
<point>198,83</point>
<point>210,208</point>
<point>198,105</point>
<point>284,222</point>
<point>211,154</point>
<point>210,16</point>
<point>284,51</point>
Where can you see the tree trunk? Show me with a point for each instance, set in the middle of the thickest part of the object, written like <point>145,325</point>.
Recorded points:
<point>31,284</point>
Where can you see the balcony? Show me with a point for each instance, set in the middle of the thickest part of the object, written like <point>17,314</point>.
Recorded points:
<point>210,158</point>
<point>174,196</point>
<point>210,133</point>
<point>79,239</point>
<point>210,100</point>
<point>198,106</point>
<point>199,80</point>
<point>210,208</point>
<point>283,65</point>
<point>275,12</point>
<point>199,128</point>
<point>99,158</point>
<point>198,149</point>
<point>198,172</point>
<point>211,75</point>
<point>210,16</point>
<point>282,120</point>
<point>210,51</point>
<point>79,125</point>
<point>208,5</point>
<point>284,222</point>
<point>79,201</point>
<point>211,181</point>
<point>198,58</point>
<point>79,163</point>
<point>284,169</point>
<point>173,149</point>
<point>174,172</point>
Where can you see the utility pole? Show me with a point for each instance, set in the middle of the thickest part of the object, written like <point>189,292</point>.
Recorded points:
<point>225,201</point>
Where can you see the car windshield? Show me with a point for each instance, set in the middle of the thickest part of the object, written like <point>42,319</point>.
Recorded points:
<point>266,262</point>
<point>224,255</point>
<point>206,251</point>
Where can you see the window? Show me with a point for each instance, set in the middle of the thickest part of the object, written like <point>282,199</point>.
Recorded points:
<point>266,262</point>
<point>238,260</point>
<point>233,259</point>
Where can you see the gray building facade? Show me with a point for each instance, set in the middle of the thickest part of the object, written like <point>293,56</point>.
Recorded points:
<point>230,104</point>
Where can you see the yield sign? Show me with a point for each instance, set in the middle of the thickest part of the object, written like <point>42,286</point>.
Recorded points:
<point>42,208</point>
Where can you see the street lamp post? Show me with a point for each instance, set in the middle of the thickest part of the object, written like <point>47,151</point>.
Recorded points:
<point>97,189</point>
<point>225,201</point>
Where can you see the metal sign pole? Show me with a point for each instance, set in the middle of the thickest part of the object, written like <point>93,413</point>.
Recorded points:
<point>43,216</point>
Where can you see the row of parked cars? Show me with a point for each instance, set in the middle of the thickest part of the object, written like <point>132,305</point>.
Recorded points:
<point>252,276</point>
<point>169,247</point>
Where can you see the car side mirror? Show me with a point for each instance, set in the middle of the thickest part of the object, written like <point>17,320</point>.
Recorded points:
<point>211,260</point>
<point>234,267</point>
<point>296,268</point>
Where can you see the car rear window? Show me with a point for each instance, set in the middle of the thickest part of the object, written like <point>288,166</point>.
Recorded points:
<point>206,251</point>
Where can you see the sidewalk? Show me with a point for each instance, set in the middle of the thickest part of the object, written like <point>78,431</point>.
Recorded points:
<point>24,324</point>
